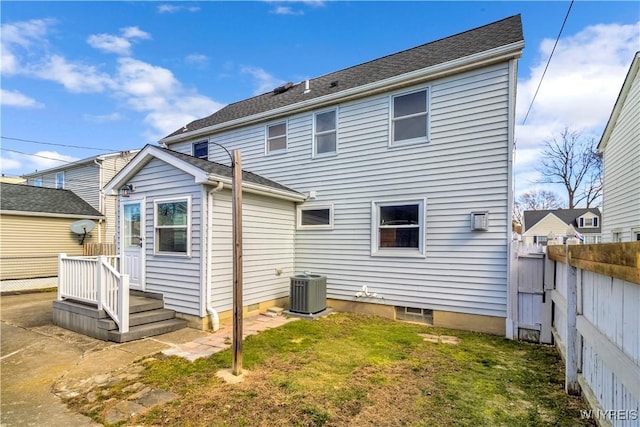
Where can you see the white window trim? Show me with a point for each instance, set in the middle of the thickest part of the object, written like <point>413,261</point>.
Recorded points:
<point>301,208</point>
<point>421,252</point>
<point>582,221</point>
<point>286,137</point>
<point>314,153</point>
<point>156,252</point>
<point>193,149</point>
<point>394,144</point>
<point>60,174</point>
<point>38,182</point>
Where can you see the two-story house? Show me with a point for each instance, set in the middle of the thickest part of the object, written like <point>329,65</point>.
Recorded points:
<point>86,178</point>
<point>394,174</point>
<point>557,224</point>
<point>620,149</point>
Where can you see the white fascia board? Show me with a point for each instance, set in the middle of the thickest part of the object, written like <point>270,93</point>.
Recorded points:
<point>142,159</point>
<point>503,53</point>
<point>51,215</point>
<point>81,162</point>
<point>263,190</point>
<point>617,108</point>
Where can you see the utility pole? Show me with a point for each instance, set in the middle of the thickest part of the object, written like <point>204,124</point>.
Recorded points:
<point>236,209</point>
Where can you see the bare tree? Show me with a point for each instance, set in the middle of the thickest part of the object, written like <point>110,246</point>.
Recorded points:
<point>535,200</point>
<point>574,162</point>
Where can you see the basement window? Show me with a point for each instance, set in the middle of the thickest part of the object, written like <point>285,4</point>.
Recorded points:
<point>315,217</point>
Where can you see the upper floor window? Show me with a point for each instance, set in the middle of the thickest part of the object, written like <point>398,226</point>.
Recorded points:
<point>37,182</point>
<point>588,222</point>
<point>325,139</point>
<point>201,150</point>
<point>410,117</point>
<point>276,138</point>
<point>60,180</point>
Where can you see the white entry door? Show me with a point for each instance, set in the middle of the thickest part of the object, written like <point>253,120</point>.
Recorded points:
<point>132,242</point>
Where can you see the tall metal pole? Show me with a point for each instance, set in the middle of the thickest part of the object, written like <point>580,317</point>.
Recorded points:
<point>236,192</point>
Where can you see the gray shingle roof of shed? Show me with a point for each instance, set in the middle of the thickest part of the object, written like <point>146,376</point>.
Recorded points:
<point>494,35</point>
<point>225,171</point>
<point>26,198</point>
<point>568,216</point>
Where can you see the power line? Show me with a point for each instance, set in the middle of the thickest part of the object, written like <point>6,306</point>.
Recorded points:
<point>59,145</point>
<point>37,155</point>
<point>548,61</point>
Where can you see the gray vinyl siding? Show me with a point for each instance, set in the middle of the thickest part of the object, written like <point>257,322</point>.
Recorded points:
<point>178,278</point>
<point>621,195</point>
<point>463,168</point>
<point>82,180</point>
<point>268,245</point>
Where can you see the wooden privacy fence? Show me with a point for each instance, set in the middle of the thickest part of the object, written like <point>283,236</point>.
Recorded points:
<point>95,249</point>
<point>595,322</point>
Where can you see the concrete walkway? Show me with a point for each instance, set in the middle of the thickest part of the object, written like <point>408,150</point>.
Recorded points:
<point>36,356</point>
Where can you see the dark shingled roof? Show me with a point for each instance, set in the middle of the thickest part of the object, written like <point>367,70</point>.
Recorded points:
<point>568,216</point>
<point>225,171</point>
<point>497,34</point>
<point>26,198</point>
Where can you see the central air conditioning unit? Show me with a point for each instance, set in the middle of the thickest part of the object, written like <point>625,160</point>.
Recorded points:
<point>308,294</point>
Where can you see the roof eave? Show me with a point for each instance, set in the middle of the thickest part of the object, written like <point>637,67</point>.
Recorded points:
<point>51,214</point>
<point>499,54</point>
<point>263,190</point>
<point>622,96</point>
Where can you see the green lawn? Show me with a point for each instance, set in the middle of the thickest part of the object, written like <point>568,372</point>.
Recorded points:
<point>353,370</point>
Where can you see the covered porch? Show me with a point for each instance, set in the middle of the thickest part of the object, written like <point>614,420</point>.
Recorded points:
<point>95,299</point>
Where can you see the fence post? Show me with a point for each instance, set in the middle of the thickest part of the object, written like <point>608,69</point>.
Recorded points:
<point>512,293</point>
<point>573,350</point>
<point>100,288</point>
<point>123,303</point>
<point>61,275</point>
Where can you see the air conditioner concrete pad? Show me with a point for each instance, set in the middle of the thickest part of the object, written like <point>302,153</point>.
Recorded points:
<point>322,313</point>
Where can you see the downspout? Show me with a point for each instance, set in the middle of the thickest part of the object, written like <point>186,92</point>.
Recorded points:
<point>100,198</point>
<point>213,314</point>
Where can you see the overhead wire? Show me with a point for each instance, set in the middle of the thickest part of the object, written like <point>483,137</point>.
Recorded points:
<point>58,145</point>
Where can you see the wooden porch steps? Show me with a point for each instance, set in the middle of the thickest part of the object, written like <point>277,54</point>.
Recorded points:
<point>147,318</point>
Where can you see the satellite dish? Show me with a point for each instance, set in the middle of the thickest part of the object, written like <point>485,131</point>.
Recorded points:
<point>83,227</point>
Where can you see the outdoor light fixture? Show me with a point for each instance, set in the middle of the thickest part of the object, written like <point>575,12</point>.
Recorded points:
<point>126,190</point>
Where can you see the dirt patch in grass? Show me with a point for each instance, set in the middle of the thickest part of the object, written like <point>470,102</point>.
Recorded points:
<point>350,370</point>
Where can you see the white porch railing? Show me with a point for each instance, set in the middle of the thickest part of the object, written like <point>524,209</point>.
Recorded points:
<point>93,280</point>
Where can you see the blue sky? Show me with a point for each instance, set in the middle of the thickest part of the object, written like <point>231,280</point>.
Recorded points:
<point>115,76</point>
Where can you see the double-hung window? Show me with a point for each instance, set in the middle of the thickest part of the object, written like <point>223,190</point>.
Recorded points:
<point>201,150</point>
<point>60,180</point>
<point>410,117</point>
<point>276,138</point>
<point>398,228</point>
<point>172,226</point>
<point>325,138</point>
<point>37,182</point>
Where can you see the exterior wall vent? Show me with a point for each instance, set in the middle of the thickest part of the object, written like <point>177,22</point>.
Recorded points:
<point>480,221</point>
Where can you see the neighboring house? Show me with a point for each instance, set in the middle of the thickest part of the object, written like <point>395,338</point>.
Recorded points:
<point>394,174</point>
<point>12,179</point>
<point>34,225</point>
<point>86,178</point>
<point>620,148</point>
<point>539,226</point>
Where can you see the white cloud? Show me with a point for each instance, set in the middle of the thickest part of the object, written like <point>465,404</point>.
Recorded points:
<point>12,161</point>
<point>110,43</point>
<point>286,10</point>
<point>135,33</point>
<point>120,45</point>
<point>578,91</point>
<point>16,99</point>
<point>264,81</point>
<point>102,118</point>
<point>20,39</point>
<point>156,92</point>
<point>197,59</point>
<point>79,78</point>
<point>170,8</point>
